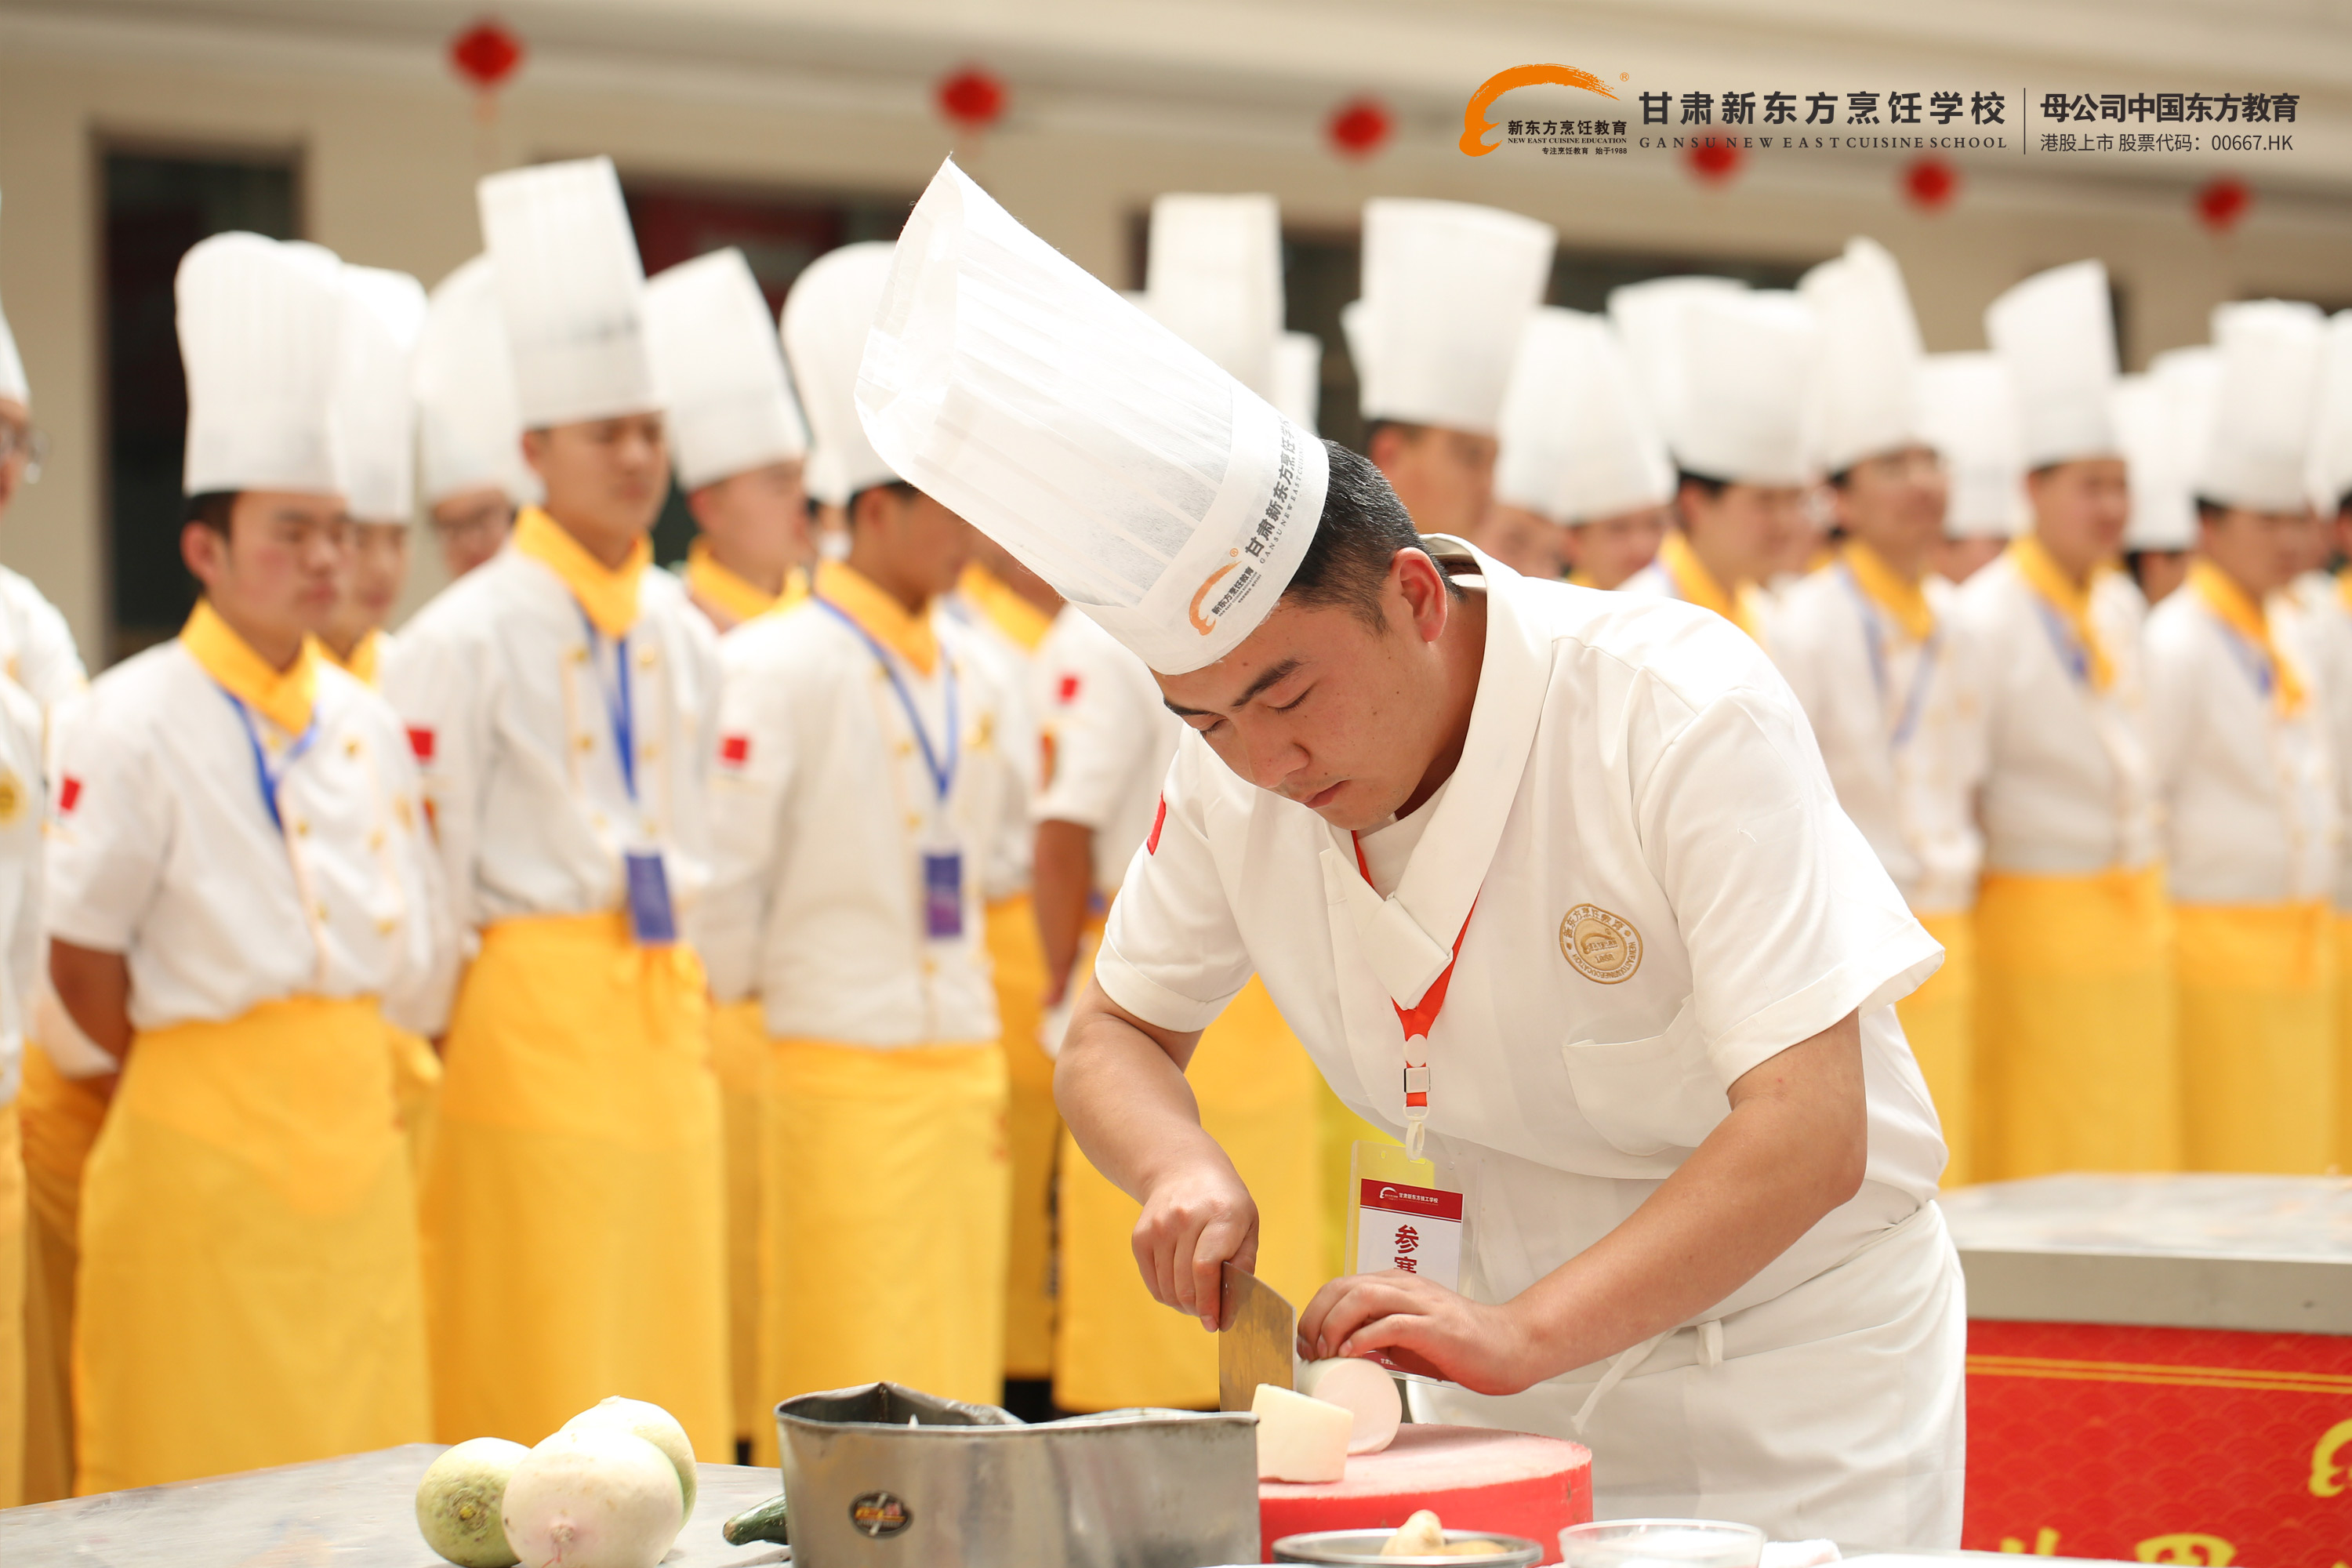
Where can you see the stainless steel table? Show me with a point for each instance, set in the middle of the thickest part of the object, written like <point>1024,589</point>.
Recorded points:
<point>357,1511</point>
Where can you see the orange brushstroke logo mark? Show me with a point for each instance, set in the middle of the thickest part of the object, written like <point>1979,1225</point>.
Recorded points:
<point>1205,626</point>
<point>1475,123</point>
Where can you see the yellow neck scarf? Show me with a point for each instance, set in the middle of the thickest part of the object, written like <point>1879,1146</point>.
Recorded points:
<point>1899,597</point>
<point>731,594</point>
<point>1007,611</point>
<point>1581,579</point>
<point>2344,587</point>
<point>2046,578</point>
<point>2236,609</point>
<point>283,697</point>
<point>366,661</point>
<point>610,597</point>
<point>882,617</point>
<point>1695,585</point>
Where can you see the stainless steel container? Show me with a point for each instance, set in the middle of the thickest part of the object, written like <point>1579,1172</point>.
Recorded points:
<point>1363,1546</point>
<point>882,1477</point>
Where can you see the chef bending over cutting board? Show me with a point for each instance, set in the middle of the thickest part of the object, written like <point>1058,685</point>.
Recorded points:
<point>1550,881</point>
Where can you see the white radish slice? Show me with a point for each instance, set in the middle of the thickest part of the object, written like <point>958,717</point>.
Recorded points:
<point>1368,1393</point>
<point>1298,1438</point>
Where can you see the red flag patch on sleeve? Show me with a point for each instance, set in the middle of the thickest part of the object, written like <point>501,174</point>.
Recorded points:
<point>1159,821</point>
<point>735,750</point>
<point>68,792</point>
<point>1067,692</point>
<point>420,741</point>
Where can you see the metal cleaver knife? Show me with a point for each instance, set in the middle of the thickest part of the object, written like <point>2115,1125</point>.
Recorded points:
<point>1256,1343</point>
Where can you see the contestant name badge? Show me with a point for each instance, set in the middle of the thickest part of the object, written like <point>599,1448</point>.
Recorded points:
<point>943,895</point>
<point>1415,1229</point>
<point>651,922</point>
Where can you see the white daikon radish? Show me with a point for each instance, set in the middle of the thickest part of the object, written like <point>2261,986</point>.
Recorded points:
<point>1298,1438</point>
<point>459,1499</point>
<point>1363,1388</point>
<point>1420,1536</point>
<point>652,1423</point>
<point>597,1498</point>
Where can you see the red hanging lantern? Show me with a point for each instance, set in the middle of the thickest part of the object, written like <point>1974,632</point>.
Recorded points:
<point>1929,184</point>
<point>972,99</point>
<point>486,55</point>
<point>1715,163</point>
<point>1360,128</point>
<point>2222,203</point>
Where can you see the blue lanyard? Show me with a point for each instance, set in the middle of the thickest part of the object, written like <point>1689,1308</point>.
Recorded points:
<point>1874,635</point>
<point>942,777</point>
<point>2071,653</point>
<point>618,709</point>
<point>2251,658</point>
<point>270,783</point>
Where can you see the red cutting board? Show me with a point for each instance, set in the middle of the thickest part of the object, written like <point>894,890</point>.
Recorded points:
<point>1509,1483</point>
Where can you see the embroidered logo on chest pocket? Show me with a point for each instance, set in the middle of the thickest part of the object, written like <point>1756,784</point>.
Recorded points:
<point>1602,947</point>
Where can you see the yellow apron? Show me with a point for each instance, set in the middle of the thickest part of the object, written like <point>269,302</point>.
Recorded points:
<point>1940,1020</point>
<point>2343,1042</point>
<point>2258,1053</point>
<point>12,1309</point>
<point>1339,1131</point>
<point>1032,1126</point>
<point>248,1292</point>
<point>739,1055</point>
<point>1258,1094</point>
<point>59,1118</point>
<point>2078,1054</point>
<point>884,1186</point>
<point>574,1212</point>
<point>417,1091</point>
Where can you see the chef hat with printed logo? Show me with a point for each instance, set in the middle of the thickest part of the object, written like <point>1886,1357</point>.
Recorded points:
<point>1576,439</point>
<point>2056,333</point>
<point>2148,419</point>
<point>2328,478</point>
<point>2258,445</point>
<point>1968,412</point>
<point>1152,489</point>
<point>721,370</point>
<point>260,325</point>
<point>1298,378</point>
<point>1865,390</point>
<point>1447,287</point>
<point>1213,277</point>
<point>1747,361</point>
<point>571,290</point>
<point>469,432</point>
<point>14,385</point>
<point>374,417</point>
<point>826,318</point>
<point>1647,318</point>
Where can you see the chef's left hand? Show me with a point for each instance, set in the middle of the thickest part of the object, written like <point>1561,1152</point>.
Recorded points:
<point>1485,1349</point>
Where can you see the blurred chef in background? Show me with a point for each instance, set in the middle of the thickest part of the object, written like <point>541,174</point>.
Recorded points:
<point>2328,486</point>
<point>469,431</point>
<point>2156,415</point>
<point>1970,413</point>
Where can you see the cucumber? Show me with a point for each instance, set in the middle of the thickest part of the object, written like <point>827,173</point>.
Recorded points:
<point>762,1521</point>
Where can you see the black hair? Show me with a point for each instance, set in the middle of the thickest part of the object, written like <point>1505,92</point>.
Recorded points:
<point>212,508</point>
<point>1362,527</point>
<point>898,487</point>
<point>1712,486</point>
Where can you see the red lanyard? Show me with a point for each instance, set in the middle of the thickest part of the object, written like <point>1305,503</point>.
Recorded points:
<point>1417,1021</point>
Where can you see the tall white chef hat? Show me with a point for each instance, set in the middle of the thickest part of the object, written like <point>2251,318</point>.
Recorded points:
<point>2258,447</point>
<point>2056,332</point>
<point>1447,287</point>
<point>260,332</point>
<point>1577,438</point>
<point>1747,360</point>
<point>2330,478</point>
<point>13,383</point>
<point>1298,378</point>
<point>1969,413</point>
<point>572,290</point>
<point>469,430</point>
<point>1156,492</point>
<point>1213,277</point>
<point>720,369</point>
<point>2148,419</point>
<point>1865,389</point>
<point>374,417</point>
<point>1647,318</point>
<point>826,318</point>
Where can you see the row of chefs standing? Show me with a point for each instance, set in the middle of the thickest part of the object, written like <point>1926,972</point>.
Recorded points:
<point>780,1154</point>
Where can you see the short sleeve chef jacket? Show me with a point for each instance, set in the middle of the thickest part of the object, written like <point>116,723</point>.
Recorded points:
<point>1636,771</point>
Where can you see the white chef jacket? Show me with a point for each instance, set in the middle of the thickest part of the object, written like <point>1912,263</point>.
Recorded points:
<point>21,797</point>
<point>2326,628</point>
<point>1634,770</point>
<point>36,647</point>
<point>162,848</point>
<point>1900,724</point>
<point>2069,786</point>
<point>1005,868</point>
<point>507,696</point>
<point>1109,738</point>
<point>823,807</point>
<point>2252,813</point>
